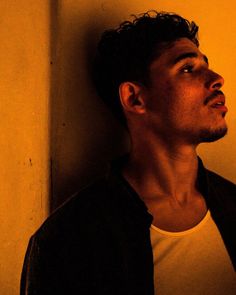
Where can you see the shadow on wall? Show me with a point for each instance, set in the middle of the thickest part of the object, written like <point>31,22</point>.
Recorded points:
<point>84,134</point>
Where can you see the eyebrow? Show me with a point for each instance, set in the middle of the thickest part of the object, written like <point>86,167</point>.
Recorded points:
<point>189,55</point>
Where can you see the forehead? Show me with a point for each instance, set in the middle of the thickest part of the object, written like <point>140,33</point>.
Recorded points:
<point>177,51</point>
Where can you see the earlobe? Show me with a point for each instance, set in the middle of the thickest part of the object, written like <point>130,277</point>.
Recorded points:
<point>131,97</point>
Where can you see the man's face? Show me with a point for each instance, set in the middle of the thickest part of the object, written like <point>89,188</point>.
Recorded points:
<point>184,101</point>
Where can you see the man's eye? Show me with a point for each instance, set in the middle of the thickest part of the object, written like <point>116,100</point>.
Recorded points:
<point>187,69</point>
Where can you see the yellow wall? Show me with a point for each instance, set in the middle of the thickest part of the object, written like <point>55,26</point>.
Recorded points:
<point>24,94</point>
<point>51,111</point>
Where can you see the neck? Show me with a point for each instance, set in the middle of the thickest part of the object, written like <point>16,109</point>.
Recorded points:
<point>163,169</point>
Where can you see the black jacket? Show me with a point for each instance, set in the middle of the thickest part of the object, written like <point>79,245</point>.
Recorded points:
<point>99,241</point>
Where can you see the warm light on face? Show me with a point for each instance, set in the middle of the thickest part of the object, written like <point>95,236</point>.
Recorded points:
<point>185,99</point>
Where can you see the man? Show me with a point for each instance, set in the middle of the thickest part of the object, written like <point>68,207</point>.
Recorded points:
<point>158,222</point>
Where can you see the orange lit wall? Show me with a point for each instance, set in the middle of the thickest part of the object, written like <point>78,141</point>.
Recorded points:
<point>24,151</point>
<point>49,110</point>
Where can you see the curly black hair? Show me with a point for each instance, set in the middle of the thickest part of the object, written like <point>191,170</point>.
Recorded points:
<point>125,53</point>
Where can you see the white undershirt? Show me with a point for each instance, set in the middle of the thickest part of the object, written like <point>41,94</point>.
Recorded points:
<point>193,262</point>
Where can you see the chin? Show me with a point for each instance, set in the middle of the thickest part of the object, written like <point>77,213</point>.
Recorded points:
<point>212,135</point>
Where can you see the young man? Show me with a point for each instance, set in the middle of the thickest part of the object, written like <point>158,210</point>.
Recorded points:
<point>158,222</point>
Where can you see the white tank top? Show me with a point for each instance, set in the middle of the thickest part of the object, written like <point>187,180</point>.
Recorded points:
<point>194,261</point>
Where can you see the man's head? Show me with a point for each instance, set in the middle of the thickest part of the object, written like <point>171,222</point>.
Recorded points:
<point>125,53</point>
<point>152,75</point>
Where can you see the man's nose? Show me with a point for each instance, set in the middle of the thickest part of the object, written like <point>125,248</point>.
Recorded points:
<point>215,81</point>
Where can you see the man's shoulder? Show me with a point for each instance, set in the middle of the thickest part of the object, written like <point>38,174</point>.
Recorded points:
<point>105,203</point>
<point>221,182</point>
<point>88,206</point>
<point>223,191</point>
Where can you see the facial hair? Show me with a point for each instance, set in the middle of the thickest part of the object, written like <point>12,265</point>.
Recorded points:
<point>212,135</point>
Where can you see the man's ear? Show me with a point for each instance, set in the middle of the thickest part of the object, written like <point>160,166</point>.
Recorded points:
<point>131,97</point>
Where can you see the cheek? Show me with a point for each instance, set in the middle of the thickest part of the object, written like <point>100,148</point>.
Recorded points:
<point>190,95</point>
<point>185,103</point>
<point>176,97</point>
<point>165,95</point>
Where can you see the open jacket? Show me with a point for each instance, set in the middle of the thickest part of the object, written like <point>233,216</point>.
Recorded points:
<point>99,241</point>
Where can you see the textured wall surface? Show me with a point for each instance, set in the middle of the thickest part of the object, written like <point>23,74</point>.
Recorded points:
<point>24,117</point>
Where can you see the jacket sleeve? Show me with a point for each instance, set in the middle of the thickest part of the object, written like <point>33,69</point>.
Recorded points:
<point>29,273</point>
<point>40,273</point>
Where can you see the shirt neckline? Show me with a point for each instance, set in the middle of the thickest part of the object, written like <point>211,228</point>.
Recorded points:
<point>185,232</point>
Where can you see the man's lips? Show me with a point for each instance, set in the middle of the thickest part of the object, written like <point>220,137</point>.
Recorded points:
<point>222,108</point>
<point>216,100</point>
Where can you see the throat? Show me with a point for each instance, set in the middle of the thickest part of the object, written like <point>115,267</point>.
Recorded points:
<point>173,216</point>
